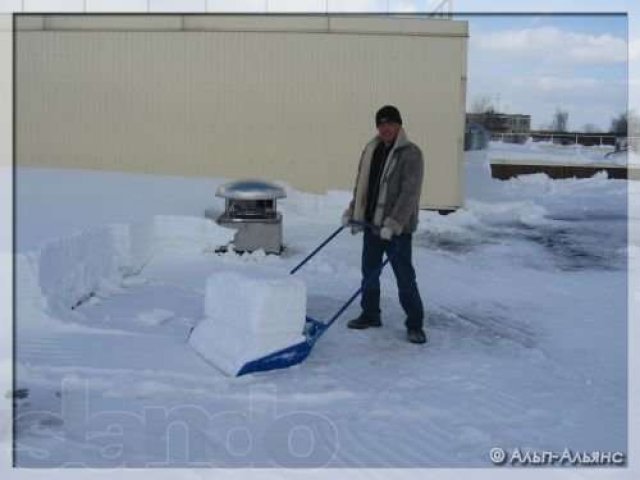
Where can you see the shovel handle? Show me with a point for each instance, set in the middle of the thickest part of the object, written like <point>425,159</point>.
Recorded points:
<point>366,281</point>
<point>317,249</point>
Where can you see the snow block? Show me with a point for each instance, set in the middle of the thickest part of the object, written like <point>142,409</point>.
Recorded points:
<point>73,267</point>
<point>249,313</point>
<point>257,300</point>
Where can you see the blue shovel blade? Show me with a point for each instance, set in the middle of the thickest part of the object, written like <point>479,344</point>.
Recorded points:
<point>288,356</point>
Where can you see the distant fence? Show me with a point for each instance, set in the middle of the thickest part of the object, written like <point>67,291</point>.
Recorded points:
<point>505,171</point>
<point>586,139</point>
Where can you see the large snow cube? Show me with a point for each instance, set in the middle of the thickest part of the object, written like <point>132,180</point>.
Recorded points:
<point>249,313</point>
<point>257,300</point>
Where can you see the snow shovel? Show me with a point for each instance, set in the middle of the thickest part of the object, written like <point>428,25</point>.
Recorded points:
<point>313,329</point>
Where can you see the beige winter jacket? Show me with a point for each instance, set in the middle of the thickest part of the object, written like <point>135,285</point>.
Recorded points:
<point>400,186</point>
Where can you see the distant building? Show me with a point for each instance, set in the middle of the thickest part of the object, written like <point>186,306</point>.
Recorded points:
<point>513,127</point>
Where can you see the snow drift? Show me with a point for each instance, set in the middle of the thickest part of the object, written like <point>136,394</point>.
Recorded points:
<point>66,271</point>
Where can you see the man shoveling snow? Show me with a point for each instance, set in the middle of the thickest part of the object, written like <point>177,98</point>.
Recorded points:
<point>387,195</point>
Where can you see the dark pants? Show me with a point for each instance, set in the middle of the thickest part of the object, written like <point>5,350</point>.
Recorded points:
<point>399,251</point>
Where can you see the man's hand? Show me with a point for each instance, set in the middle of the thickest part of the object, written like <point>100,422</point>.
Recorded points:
<point>386,233</point>
<point>346,221</point>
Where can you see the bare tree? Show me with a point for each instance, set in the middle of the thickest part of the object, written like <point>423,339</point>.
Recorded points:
<point>619,125</point>
<point>482,104</point>
<point>560,120</point>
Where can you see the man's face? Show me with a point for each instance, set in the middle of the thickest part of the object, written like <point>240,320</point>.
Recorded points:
<point>388,131</point>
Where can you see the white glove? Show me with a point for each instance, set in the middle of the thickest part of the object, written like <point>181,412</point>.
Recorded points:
<point>386,233</point>
<point>345,220</point>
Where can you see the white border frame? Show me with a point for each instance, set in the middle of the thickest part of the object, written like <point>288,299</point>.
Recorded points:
<point>7,7</point>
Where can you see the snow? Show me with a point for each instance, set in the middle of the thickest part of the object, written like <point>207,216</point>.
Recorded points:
<point>548,152</point>
<point>525,292</point>
<point>249,313</point>
<point>73,267</point>
<point>87,199</point>
<point>64,272</point>
<point>154,317</point>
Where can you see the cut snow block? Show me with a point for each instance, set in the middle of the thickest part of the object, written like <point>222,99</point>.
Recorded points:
<point>257,300</point>
<point>249,314</point>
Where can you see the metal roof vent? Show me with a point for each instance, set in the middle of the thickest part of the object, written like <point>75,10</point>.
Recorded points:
<point>250,209</point>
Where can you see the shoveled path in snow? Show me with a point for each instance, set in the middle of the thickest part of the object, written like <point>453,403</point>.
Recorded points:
<point>492,374</point>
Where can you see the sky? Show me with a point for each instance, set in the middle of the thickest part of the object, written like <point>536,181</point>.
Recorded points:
<point>535,64</point>
<point>523,63</point>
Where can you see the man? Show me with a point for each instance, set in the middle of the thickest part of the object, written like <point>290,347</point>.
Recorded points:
<point>387,196</point>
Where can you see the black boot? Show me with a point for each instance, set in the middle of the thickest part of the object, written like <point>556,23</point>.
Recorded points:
<point>416,335</point>
<point>362,322</point>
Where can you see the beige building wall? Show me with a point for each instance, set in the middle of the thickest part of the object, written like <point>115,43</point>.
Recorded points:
<point>279,97</point>
<point>6,93</point>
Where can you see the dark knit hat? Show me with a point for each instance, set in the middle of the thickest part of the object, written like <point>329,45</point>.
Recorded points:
<point>388,113</point>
